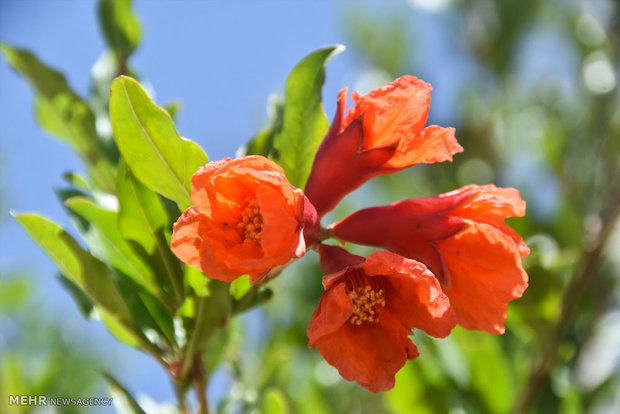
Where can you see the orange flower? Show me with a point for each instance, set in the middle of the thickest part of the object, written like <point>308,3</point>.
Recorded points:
<point>363,321</point>
<point>462,238</point>
<point>384,133</point>
<point>247,219</point>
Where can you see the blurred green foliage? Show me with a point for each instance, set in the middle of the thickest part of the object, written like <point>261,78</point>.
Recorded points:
<point>38,355</point>
<point>553,133</point>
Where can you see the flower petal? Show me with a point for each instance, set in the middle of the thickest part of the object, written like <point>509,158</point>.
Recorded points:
<point>278,219</point>
<point>491,204</point>
<point>186,237</point>
<point>433,144</point>
<point>486,273</point>
<point>334,310</point>
<point>393,112</point>
<point>414,295</point>
<point>369,354</point>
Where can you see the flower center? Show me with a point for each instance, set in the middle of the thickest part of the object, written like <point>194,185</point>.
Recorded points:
<point>251,221</point>
<point>364,300</point>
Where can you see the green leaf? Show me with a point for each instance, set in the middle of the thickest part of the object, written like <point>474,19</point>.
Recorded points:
<point>123,401</point>
<point>84,303</point>
<point>62,113</point>
<point>240,286</point>
<point>211,312</point>
<point>196,281</point>
<point>88,273</point>
<point>305,123</point>
<point>173,109</point>
<point>120,27</point>
<point>274,402</point>
<point>150,144</point>
<point>262,143</point>
<point>118,330</point>
<point>143,218</point>
<point>141,214</point>
<point>118,252</point>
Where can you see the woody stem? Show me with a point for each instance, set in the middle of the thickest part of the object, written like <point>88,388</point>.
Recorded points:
<point>542,367</point>
<point>200,384</point>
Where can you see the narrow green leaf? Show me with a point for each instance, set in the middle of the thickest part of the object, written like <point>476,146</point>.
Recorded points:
<point>85,304</point>
<point>148,313</point>
<point>88,273</point>
<point>240,286</point>
<point>123,401</point>
<point>119,253</point>
<point>150,144</point>
<point>305,123</point>
<point>262,143</point>
<point>211,312</point>
<point>118,330</point>
<point>141,214</point>
<point>196,281</point>
<point>274,402</point>
<point>143,219</point>
<point>62,113</point>
<point>120,27</point>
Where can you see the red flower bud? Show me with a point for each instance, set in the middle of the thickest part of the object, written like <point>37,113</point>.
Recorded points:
<point>384,133</point>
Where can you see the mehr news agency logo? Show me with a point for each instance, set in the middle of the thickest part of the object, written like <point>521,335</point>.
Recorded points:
<point>42,400</point>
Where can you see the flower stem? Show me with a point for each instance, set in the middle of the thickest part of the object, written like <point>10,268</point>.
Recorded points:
<point>200,384</point>
<point>180,395</point>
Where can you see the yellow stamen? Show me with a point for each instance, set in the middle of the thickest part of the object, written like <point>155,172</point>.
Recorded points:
<point>251,221</point>
<point>364,301</point>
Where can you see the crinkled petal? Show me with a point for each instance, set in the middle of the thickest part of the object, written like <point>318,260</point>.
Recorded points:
<point>369,354</point>
<point>433,144</point>
<point>186,238</point>
<point>488,200</point>
<point>215,251</point>
<point>393,112</point>
<point>205,185</point>
<point>281,225</point>
<point>334,310</point>
<point>486,273</point>
<point>414,295</point>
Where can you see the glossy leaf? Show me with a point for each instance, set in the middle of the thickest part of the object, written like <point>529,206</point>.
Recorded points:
<point>195,280</point>
<point>120,27</point>
<point>305,123</point>
<point>118,330</point>
<point>211,313</point>
<point>84,303</point>
<point>141,214</point>
<point>118,252</point>
<point>143,218</point>
<point>123,401</point>
<point>88,273</point>
<point>150,144</point>
<point>62,113</point>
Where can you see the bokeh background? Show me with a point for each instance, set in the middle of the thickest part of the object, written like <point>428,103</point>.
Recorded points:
<point>531,87</point>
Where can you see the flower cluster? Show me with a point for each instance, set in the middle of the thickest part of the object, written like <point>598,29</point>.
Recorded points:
<point>447,260</point>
